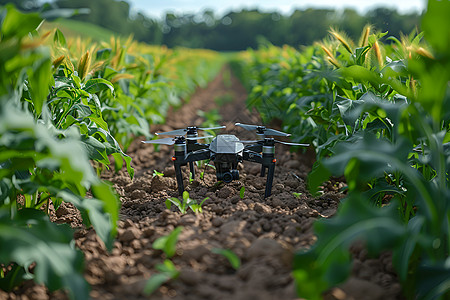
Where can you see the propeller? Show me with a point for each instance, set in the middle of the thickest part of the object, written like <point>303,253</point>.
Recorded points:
<point>279,142</point>
<point>187,129</point>
<point>166,141</point>
<point>171,141</point>
<point>291,144</point>
<point>262,130</point>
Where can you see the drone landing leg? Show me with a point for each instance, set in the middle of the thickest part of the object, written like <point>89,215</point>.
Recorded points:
<point>192,169</point>
<point>263,171</point>
<point>179,179</point>
<point>269,180</point>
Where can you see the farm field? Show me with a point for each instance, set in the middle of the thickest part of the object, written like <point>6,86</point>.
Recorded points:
<point>89,211</point>
<point>263,233</point>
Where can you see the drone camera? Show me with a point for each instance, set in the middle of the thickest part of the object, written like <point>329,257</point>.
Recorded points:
<point>228,176</point>
<point>226,166</point>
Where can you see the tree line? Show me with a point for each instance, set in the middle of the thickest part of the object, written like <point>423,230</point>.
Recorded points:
<point>236,30</point>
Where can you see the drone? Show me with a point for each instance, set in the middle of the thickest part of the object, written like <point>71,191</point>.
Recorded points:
<point>225,150</point>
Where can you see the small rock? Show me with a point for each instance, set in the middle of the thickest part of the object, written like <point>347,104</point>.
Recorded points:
<point>256,229</point>
<point>128,223</point>
<point>217,222</point>
<point>169,171</point>
<point>235,199</point>
<point>159,184</point>
<point>279,187</point>
<point>130,234</point>
<point>233,227</point>
<point>277,202</point>
<point>265,247</point>
<point>138,194</point>
<point>224,192</point>
<point>187,220</point>
<point>148,232</point>
<point>135,244</point>
<point>262,208</point>
<point>190,277</point>
<point>266,225</point>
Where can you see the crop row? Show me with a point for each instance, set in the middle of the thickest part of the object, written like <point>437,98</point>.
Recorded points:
<point>377,111</point>
<point>66,106</point>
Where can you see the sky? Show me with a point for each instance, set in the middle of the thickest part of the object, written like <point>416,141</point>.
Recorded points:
<point>158,8</point>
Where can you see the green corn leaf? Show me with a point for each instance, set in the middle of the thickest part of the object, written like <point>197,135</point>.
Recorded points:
<point>95,149</point>
<point>434,280</point>
<point>241,192</point>
<point>155,282</point>
<point>435,25</point>
<point>59,38</point>
<point>168,243</point>
<point>17,24</point>
<point>318,175</point>
<point>234,260</point>
<point>167,267</point>
<point>31,237</point>
<point>40,78</point>
<point>96,85</point>
<point>328,262</point>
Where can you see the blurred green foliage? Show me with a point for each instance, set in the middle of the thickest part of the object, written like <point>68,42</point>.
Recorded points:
<point>236,30</point>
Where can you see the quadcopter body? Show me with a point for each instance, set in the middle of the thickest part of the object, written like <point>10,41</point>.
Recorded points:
<point>225,150</point>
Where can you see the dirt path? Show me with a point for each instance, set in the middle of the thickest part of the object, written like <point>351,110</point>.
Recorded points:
<point>263,233</point>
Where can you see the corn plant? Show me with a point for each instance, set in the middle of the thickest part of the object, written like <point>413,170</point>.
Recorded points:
<point>168,243</point>
<point>396,151</point>
<point>378,114</point>
<point>41,164</point>
<point>186,203</point>
<point>167,270</point>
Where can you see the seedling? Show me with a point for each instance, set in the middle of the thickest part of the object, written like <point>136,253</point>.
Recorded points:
<point>234,260</point>
<point>197,208</point>
<point>241,192</point>
<point>167,269</point>
<point>297,195</point>
<point>168,243</point>
<point>186,203</point>
<point>156,173</point>
<point>168,272</point>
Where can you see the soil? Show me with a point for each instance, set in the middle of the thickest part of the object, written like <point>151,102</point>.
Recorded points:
<point>263,233</point>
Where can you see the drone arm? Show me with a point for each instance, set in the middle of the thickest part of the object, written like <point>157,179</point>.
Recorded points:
<point>191,147</point>
<point>255,148</point>
<point>203,154</point>
<point>252,156</point>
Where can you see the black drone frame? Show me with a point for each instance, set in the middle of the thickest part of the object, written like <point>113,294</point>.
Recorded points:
<point>226,151</point>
